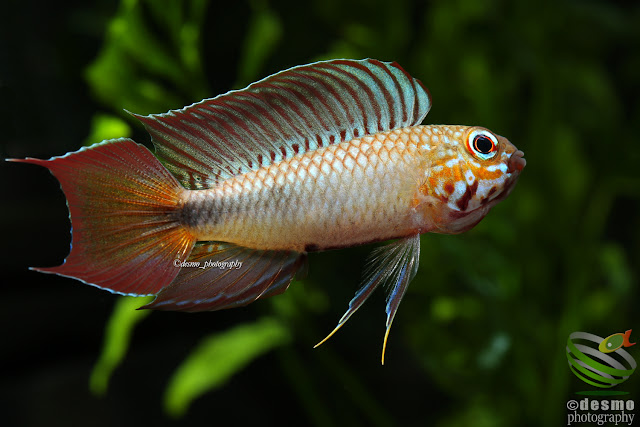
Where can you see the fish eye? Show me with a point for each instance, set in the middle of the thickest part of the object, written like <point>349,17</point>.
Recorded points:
<point>482,144</point>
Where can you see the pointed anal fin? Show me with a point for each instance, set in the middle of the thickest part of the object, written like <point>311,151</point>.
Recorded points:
<point>222,275</point>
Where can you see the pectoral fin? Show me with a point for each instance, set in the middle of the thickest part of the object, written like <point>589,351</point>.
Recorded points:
<point>395,264</point>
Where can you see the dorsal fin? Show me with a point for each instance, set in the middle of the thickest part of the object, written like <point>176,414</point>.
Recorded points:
<point>296,110</point>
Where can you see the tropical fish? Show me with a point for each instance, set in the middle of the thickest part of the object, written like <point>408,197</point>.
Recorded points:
<point>242,186</point>
<point>616,341</point>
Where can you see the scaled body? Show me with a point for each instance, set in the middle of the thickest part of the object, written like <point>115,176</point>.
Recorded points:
<point>342,195</point>
<point>384,186</point>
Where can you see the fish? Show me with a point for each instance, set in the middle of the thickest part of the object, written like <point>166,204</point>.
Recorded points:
<point>615,341</point>
<point>241,187</point>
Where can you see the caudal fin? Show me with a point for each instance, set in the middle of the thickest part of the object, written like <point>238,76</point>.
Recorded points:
<point>124,207</point>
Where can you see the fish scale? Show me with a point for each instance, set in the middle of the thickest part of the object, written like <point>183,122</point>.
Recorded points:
<point>284,205</point>
<point>241,186</point>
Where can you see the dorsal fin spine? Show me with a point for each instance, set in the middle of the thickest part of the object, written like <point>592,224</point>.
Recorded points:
<point>382,116</point>
<point>253,100</point>
<point>332,99</point>
<point>246,126</point>
<point>171,132</point>
<point>285,119</point>
<point>227,133</point>
<point>231,115</point>
<point>256,132</point>
<point>288,122</point>
<point>311,92</point>
<point>302,118</point>
<point>389,98</point>
<point>352,93</point>
<point>228,166</point>
<point>382,125</point>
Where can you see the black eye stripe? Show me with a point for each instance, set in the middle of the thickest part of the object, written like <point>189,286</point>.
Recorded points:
<point>482,144</point>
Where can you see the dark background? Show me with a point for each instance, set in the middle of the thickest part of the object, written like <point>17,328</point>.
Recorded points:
<point>480,338</point>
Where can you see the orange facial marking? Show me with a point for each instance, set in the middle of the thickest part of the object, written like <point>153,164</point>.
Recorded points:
<point>428,188</point>
<point>457,175</point>
<point>483,173</point>
<point>433,183</point>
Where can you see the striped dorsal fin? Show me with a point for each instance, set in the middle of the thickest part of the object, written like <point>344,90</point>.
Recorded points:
<point>291,112</point>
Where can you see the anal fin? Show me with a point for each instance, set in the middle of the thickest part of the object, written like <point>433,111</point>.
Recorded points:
<point>222,275</point>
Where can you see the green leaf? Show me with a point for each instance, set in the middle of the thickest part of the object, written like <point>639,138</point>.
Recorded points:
<point>150,60</point>
<point>616,268</point>
<point>218,358</point>
<point>265,31</point>
<point>116,340</point>
<point>106,126</point>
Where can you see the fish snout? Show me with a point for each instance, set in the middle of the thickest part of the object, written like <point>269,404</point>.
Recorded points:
<point>516,162</point>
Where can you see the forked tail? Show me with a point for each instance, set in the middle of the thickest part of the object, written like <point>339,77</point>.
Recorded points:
<point>124,207</point>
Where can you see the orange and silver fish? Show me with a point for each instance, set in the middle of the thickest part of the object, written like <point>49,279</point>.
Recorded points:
<point>242,186</point>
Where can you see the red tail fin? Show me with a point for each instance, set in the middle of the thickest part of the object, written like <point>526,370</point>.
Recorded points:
<point>124,208</point>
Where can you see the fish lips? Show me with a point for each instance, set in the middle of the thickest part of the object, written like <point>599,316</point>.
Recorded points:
<point>515,165</point>
<point>516,162</point>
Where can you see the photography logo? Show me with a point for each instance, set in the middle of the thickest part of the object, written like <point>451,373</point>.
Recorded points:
<point>602,363</point>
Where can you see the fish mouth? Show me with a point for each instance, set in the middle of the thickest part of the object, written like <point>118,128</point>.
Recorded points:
<point>516,162</point>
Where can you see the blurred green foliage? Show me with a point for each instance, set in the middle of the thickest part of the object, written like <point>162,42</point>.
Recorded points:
<point>116,341</point>
<point>218,357</point>
<point>487,317</point>
<point>106,126</point>
<point>140,69</point>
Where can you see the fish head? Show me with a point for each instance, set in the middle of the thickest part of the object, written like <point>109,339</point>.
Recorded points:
<point>470,171</point>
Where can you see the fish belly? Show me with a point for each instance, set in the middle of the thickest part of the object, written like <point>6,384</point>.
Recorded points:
<point>342,195</point>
